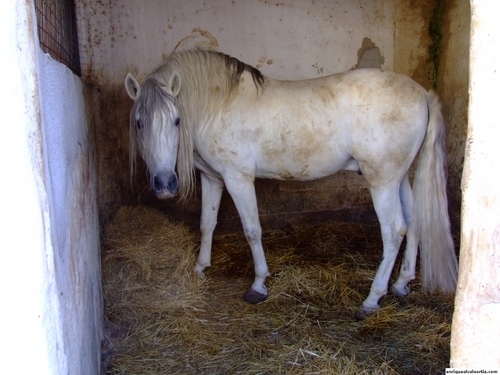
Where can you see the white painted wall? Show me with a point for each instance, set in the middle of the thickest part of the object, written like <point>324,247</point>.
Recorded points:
<point>50,267</point>
<point>289,39</point>
<point>476,322</point>
<point>71,186</point>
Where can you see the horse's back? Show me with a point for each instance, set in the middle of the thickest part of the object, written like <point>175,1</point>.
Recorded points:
<point>362,100</point>
<point>313,128</point>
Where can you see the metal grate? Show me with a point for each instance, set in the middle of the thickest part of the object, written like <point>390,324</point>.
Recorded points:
<point>57,31</point>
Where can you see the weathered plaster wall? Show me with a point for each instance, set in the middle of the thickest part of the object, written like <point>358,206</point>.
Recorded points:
<point>453,88</point>
<point>50,268</point>
<point>476,322</point>
<point>290,39</point>
<point>30,302</point>
<point>70,178</point>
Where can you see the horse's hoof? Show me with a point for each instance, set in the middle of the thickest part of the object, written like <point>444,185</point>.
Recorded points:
<point>199,271</point>
<point>400,293</point>
<point>253,297</point>
<point>363,313</point>
<point>201,275</point>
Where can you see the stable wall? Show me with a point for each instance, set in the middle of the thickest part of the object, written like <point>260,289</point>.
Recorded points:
<point>51,319</point>
<point>453,89</point>
<point>287,40</point>
<point>50,269</point>
<point>476,322</point>
<point>70,180</point>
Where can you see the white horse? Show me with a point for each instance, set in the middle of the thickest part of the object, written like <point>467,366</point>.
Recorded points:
<point>209,111</point>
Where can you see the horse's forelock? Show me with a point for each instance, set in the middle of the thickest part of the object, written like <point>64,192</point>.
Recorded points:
<point>153,100</point>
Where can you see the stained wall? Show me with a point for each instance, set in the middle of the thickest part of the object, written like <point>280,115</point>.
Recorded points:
<point>50,278</point>
<point>70,181</point>
<point>453,89</point>
<point>475,328</point>
<point>50,269</point>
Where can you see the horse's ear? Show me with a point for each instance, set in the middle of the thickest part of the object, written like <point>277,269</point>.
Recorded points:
<point>132,86</point>
<point>174,84</point>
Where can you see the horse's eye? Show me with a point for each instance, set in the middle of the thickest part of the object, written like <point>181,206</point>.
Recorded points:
<point>177,121</point>
<point>138,124</point>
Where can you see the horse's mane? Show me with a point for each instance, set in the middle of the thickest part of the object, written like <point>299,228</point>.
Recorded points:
<point>209,83</point>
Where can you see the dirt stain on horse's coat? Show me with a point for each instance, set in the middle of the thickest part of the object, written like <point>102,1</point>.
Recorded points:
<point>325,93</point>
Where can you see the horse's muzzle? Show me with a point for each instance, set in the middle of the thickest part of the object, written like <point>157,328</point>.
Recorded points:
<point>164,184</point>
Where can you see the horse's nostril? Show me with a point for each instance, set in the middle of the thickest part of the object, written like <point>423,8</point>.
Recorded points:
<point>157,183</point>
<point>172,184</point>
<point>163,183</point>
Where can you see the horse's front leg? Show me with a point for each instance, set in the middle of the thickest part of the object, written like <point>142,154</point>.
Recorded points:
<point>211,193</point>
<point>242,191</point>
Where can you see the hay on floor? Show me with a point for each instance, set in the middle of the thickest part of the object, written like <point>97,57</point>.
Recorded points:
<point>161,319</point>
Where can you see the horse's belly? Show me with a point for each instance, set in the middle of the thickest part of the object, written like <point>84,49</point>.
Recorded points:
<point>305,174</point>
<point>301,164</point>
<point>300,150</point>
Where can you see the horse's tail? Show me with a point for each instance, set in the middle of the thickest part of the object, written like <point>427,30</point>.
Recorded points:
<point>438,261</point>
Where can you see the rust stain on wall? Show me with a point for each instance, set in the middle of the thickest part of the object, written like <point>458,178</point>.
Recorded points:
<point>261,61</point>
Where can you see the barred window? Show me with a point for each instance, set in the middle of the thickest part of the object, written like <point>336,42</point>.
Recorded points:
<point>57,31</point>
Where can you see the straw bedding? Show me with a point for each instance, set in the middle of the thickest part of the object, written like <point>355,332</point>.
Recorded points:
<point>161,319</point>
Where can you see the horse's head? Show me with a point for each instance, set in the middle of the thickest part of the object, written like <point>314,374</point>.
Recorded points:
<point>154,130</point>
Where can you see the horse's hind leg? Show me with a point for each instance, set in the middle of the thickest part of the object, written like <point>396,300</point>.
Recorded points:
<point>387,205</point>
<point>242,190</point>
<point>407,273</point>
<point>211,193</point>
